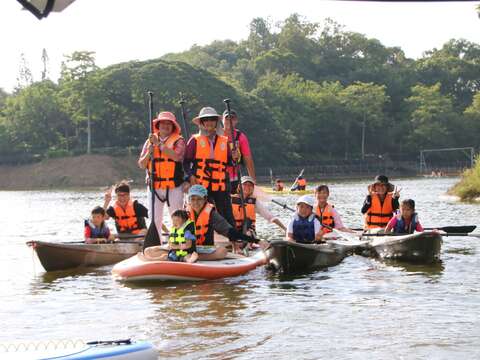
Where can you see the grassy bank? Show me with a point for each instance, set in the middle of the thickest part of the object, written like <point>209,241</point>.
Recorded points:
<point>468,188</point>
<point>79,171</point>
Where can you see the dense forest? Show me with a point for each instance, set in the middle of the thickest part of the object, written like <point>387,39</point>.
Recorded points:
<point>305,93</point>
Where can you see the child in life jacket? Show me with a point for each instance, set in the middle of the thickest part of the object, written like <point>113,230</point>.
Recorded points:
<point>279,186</point>
<point>406,222</point>
<point>181,241</point>
<point>95,228</point>
<point>304,227</point>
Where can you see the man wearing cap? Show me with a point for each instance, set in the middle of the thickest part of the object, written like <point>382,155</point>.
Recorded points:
<point>242,145</point>
<point>304,227</point>
<point>207,220</point>
<point>206,159</point>
<point>380,204</point>
<point>253,206</point>
<point>165,149</point>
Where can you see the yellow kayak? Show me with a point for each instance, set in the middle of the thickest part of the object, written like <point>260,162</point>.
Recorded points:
<point>286,192</point>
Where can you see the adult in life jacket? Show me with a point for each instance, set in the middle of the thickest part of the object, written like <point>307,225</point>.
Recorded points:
<point>243,147</point>
<point>206,159</point>
<point>304,227</point>
<point>326,212</point>
<point>253,206</point>
<point>207,220</point>
<point>164,150</point>
<point>301,184</point>
<point>405,222</point>
<point>129,215</point>
<point>380,204</point>
<point>96,230</point>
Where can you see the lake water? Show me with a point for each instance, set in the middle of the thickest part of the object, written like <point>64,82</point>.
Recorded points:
<point>360,309</point>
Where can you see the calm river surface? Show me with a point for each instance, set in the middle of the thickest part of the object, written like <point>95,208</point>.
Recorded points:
<point>360,309</point>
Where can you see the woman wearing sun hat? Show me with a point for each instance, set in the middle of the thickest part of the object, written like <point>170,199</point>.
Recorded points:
<point>206,159</point>
<point>380,204</point>
<point>165,149</point>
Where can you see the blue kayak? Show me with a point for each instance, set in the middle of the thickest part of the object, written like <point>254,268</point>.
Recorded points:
<point>123,349</point>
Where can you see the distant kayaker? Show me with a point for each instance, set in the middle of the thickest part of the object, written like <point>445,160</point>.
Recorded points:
<point>300,185</point>
<point>207,220</point>
<point>327,214</point>
<point>279,185</point>
<point>181,242</point>
<point>304,227</point>
<point>243,147</point>
<point>166,149</point>
<point>380,204</point>
<point>406,222</point>
<point>129,215</point>
<point>96,230</point>
<point>253,206</point>
<point>206,159</point>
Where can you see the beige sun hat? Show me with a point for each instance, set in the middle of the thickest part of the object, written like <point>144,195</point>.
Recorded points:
<point>206,112</point>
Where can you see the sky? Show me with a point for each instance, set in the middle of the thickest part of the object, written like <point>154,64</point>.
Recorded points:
<point>124,30</point>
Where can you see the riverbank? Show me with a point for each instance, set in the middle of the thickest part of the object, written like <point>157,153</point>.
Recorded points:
<point>468,188</point>
<point>79,171</point>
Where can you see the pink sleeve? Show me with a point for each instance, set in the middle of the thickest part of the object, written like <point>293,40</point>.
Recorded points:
<point>337,219</point>
<point>179,149</point>
<point>391,224</point>
<point>244,145</point>
<point>419,227</point>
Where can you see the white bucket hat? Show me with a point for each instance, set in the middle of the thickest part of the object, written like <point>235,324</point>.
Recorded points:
<point>247,179</point>
<point>306,199</point>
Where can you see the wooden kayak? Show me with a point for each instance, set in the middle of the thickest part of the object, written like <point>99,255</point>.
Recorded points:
<point>288,257</point>
<point>422,247</point>
<point>138,268</point>
<point>67,255</point>
<point>286,192</point>
<point>78,350</point>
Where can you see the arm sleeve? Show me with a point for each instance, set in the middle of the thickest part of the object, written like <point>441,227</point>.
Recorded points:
<point>111,212</point>
<point>87,233</point>
<point>190,236</point>
<point>290,226</point>
<point>395,203</point>
<point>244,145</point>
<point>220,225</point>
<point>366,204</point>
<point>337,219</point>
<point>188,159</point>
<point>140,210</point>
<point>392,223</point>
<point>317,226</point>
<point>419,227</point>
<point>180,148</point>
<point>262,210</point>
<point>144,149</point>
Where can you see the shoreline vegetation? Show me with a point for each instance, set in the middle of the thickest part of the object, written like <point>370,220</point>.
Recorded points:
<point>468,188</point>
<point>86,171</point>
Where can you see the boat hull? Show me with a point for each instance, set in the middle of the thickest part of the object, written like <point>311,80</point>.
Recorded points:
<point>416,248</point>
<point>137,268</point>
<point>289,257</point>
<point>62,256</point>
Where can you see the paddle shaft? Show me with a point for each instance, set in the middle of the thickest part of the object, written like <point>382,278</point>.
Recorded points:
<point>447,229</point>
<point>184,116</point>
<point>237,168</point>
<point>296,180</point>
<point>152,168</point>
<point>285,206</point>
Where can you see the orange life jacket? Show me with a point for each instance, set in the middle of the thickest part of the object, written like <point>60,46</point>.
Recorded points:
<point>168,173</point>
<point>326,217</point>
<point>238,211</point>
<point>125,219</point>
<point>302,182</point>
<point>202,224</point>
<point>211,170</point>
<point>379,213</point>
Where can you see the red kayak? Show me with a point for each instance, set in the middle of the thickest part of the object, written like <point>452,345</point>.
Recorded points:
<point>137,268</point>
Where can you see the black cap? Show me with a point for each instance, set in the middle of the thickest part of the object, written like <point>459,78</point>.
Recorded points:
<point>381,179</point>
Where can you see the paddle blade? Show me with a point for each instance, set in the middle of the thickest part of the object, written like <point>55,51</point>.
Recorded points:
<point>458,229</point>
<point>152,238</point>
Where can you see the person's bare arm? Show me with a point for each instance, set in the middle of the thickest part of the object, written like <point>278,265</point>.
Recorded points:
<point>250,166</point>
